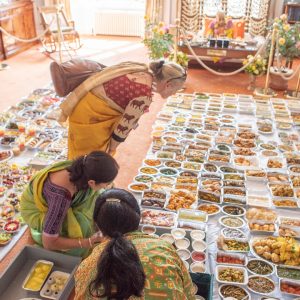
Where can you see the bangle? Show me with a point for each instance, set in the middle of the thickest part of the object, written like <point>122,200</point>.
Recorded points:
<point>91,244</point>
<point>80,244</point>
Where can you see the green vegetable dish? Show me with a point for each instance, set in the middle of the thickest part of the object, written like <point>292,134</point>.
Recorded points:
<point>291,273</point>
<point>168,172</point>
<point>260,267</point>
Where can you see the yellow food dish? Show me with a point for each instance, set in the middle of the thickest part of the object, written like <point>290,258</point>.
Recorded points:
<point>38,276</point>
<point>279,250</point>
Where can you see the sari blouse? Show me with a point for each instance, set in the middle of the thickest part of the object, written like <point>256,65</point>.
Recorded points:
<point>166,275</point>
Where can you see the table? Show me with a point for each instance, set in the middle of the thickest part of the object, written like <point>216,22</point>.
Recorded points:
<point>232,55</point>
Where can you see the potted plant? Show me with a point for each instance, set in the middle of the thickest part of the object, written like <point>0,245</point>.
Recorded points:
<point>257,67</point>
<point>159,42</point>
<point>287,48</point>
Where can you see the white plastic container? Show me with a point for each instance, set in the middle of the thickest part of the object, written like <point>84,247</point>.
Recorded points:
<point>197,267</point>
<point>219,268</point>
<point>221,221</point>
<point>54,285</point>
<point>261,293</point>
<point>223,285</point>
<point>31,273</point>
<point>262,261</point>
<point>197,235</point>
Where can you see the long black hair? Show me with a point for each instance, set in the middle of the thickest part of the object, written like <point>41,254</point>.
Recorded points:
<point>120,272</point>
<point>98,166</point>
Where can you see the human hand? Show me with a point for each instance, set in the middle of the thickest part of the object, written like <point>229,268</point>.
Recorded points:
<point>112,146</point>
<point>97,237</point>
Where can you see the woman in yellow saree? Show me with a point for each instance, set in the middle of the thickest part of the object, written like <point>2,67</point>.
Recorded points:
<point>107,106</point>
<point>58,203</point>
<point>129,264</point>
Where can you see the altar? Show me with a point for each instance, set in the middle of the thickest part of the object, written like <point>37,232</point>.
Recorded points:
<point>230,55</point>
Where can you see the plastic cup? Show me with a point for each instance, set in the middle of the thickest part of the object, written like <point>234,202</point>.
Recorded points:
<point>21,127</point>
<point>198,256</point>
<point>167,237</point>
<point>195,288</point>
<point>154,235</point>
<point>149,229</point>
<point>31,130</point>
<point>178,233</point>
<point>1,131</point>
<point>182,243</point>
<point>199,246</point>
<point>16,150</point>
<point>197,235</point>
<point>21,143</point>
<point>197,267</point>
<point>184,254</point>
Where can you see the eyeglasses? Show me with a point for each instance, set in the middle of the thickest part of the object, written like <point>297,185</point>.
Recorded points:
<point>183,76</point>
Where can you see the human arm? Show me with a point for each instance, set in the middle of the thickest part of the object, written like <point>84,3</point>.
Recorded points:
<point>59,201</point>
<point>62,243</point>
<point>52,242</point>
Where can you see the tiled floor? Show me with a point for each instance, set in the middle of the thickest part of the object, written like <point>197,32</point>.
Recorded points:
<point>30,70</point>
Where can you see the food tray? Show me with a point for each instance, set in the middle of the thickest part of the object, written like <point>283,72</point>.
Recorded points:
<point>13,277</point>
<point>290,283</point>
<point>246,293</point>
<point>206,196</point>
<point>190,215</point>
<point>31,272</point>
<point>261,293</point>
<point>180,198</point>
<point>236,207</point>
<point>242,269</point>
<point>233,233</point>
<point>216,206</point>
<point>143,186</point>
<point>262,261</point>
<point>53,278</point>
<point>242,222</point>
<point>294,203</point>
<point>261,223</point>
<point>170,220</point>
<point>222,240</point>
<point>296,275</point>
<point>233,256</point>
<point>291,219</point>
<point>257,200</point>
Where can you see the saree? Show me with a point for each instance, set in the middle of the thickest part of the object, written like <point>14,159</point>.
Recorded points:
<point>166,276</point>
<point>71,101</point>
<point>78,222</point>
<point>91,125</point>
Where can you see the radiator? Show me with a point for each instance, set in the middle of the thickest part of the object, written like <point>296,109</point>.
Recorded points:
<point>127,23</point>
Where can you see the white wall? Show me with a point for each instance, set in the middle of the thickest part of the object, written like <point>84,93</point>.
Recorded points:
<point>37,18</point>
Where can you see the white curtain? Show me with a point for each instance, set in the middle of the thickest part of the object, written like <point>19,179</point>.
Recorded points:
<point>163,10</point>
<point>276,8</point>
